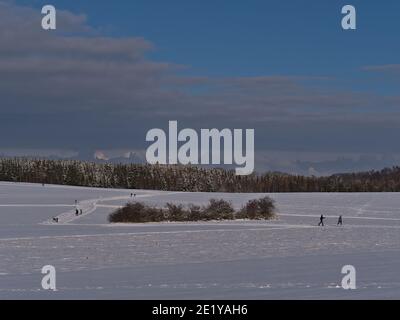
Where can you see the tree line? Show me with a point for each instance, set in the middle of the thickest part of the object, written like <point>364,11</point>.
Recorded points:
<point>189,178</point>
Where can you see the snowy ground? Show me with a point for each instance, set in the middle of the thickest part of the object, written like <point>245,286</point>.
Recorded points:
<point>290,258</point>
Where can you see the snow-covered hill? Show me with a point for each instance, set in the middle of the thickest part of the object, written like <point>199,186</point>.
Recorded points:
<point>290,258</point>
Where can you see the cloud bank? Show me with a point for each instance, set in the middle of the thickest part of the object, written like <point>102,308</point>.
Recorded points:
<point>78,89</point>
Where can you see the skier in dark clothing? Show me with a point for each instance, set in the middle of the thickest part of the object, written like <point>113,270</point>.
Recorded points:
<point>55,219</point>
<point>340,221</point>
<point>76,212</point>
<point>80,211</point>
<point>321,220</point>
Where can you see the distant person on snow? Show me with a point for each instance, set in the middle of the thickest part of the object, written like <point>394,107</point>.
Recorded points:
<point>76,212</point>
<point>321,220</point>
<point>55,219</point>
<point>340,221</point>
<point>81,212</point>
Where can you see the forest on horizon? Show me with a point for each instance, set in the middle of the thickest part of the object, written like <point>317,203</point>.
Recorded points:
<point>189,178</point>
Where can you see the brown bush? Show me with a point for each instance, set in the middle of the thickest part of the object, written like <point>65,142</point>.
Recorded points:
<point>175,212</point>
<point>138,212</point>
<point>218,210</point>
<point>258,209</point>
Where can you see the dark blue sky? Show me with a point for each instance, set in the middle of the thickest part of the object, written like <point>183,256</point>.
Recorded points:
<point>252,38</point>
<point>319,97</point>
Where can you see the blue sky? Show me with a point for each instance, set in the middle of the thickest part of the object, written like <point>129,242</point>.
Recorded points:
<point>315,94</point>
<point>251,38</point>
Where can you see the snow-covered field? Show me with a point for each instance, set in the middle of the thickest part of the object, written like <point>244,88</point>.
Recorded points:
<point>290,258</point>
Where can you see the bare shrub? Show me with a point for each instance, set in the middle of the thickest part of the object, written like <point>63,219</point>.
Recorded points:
<point>218,210</point>
<point>175,212</point>
<point>195,213</point>
<point>136,212</point>
<point>258,209</point>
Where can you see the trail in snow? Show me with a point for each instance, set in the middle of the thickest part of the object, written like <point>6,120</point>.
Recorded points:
<point>35,205</point>
<point>89,206</point>
<point>153,233</point>
<point>330,216</point>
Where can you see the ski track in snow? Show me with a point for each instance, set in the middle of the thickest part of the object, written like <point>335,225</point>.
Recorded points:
<point>289,258</point>
<point>90,206</point>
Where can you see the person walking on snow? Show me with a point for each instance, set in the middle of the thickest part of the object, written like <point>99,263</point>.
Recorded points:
<point>321,220</point>
<point>340,221</point>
